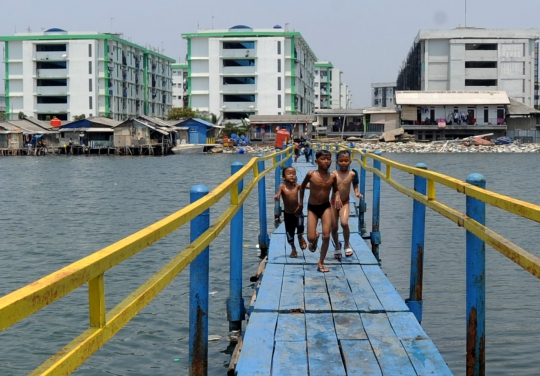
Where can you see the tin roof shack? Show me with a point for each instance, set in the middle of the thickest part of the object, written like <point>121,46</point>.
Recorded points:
<point>89,135</point>
<point>27,136</point>
<point>522,122</point>
<point>441,115</point>
<point>200,131</point>
<point>263,127</point>
<point>144,135</point>
<point>339,122</point>
<point>378,120</point>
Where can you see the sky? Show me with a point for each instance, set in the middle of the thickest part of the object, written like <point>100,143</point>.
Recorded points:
<point>367,40</point>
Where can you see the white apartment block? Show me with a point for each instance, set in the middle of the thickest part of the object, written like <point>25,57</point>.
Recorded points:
<point>180,96</point>
<point>242,71</point>
<point>383,94</point>
<point>474,59</point>
<point>330,92</point>
<point>67,74</point>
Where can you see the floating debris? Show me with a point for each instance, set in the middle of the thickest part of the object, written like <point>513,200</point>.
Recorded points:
<point>214,338</point>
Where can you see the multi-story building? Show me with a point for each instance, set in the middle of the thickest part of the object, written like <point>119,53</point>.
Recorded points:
<point>67,74</point>
<point>2,103</point>
<point>474,59</point>
<point>346,96</point>
<point>180,96</point>
<point>383,94</point>
<point>242,71</point>
<point>330,91</point>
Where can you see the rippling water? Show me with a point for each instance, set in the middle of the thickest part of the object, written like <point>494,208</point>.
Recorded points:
<point>56,210</point>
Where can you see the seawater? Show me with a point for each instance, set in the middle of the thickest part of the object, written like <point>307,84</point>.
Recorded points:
<point>56,210</point>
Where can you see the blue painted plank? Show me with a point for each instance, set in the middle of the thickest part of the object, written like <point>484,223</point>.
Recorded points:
<point>276,249</point>
<point>258,345</point>
<point>361,250</point>
<point>317,301</point>
<point>291,327</point>
<point>341,297</point>
<point>349,326</point>
<point>359,358</point>
<point>423,354</point>
<point>387,294</point>
<point>290,358</point>
<point>324,356</point>
<point>292,292</point>
<point>269,291</point>
<point>390,353</point>
<point>364,296</point>
<point>314,281</point>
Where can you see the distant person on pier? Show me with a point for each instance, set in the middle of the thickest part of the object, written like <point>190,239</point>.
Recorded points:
<point>345,178</point>
<point>321,183</point>
<point>288,190</point>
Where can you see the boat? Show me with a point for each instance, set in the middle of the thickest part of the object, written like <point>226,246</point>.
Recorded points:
<point>192,148</point>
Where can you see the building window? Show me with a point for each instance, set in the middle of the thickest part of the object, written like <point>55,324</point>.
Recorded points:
<point>279,101</point>
<point>52,100</point>
<point>316,84</point>
<point>52,82</point>
<point>279,83</point>
<point>279,65</point>
<point>90,67</point>
<point>523,68</point>
<point>50,47</point>
<point>90,102</point>
<point>89,50</point>
<point>90,85</point>
<point>238,62</point>
<point>523,49</point>
<point>481,46</point>
<point>523,85</point>
<point>480,82</point>
<point>238,80</point>
<point>238,45</point>
<point>480,64</point>
<point>279,47</point>
<point>239,98</point>
<point>486,115</point>
<point>51,65</point>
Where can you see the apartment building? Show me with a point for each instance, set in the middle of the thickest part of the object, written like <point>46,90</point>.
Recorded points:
<point>474,59</point>
<point>383,94</point>
<point>330,91</point>
<point>180,97</point>
<point>66,74</point>
<point>240,71</point>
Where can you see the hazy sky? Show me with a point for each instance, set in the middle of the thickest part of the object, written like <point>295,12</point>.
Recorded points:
<point>367,40</point>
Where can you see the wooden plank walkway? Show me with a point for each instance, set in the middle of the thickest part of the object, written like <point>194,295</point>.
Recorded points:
<point>350,321</point>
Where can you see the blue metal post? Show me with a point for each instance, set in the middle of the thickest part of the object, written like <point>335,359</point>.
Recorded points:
<point>288,163</point>
<point>362,207</point>
<point>264,240</point>
<point>198,291</point>
<point>277,204</point>
<point>417,248</point>
<point>476,285</point>
<point>235,304</point>
<point>336,152</point>
<point>375,235</point>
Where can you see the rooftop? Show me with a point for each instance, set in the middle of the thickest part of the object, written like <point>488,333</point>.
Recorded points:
<point>477,33</point>
<point>439,98</point>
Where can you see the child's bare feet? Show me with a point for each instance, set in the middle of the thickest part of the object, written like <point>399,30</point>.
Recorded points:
<point>302,242</point>
<point>321,268</point>
<point>293,254</point>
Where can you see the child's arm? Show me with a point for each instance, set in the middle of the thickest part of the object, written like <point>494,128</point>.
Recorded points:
<point>302,190</point>
<point>355,183</point>
<point>337,196</point>
<point>278,194</point>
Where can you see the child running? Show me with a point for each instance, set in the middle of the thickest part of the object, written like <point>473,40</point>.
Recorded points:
<point>344,179</point>
<point>321,183</point>
<point>294,219</point>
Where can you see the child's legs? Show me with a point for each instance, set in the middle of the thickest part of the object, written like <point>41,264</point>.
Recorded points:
<point>290,226</point>
<point>335,219</point>
<point>344,217</point>
<point>312,226</point>
<point>326,221</point>
<point>300,225</point>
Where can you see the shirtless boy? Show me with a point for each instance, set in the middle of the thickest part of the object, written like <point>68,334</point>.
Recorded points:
<point>321,183</point>
<point>288,190</point>
<point>345,178</point>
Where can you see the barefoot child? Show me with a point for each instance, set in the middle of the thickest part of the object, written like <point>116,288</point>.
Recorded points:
<point>288,190</point>
<point>321,183</point>
<point>345,178</point>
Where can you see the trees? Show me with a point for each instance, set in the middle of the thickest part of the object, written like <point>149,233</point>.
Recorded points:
<point>184,113</point>
<point>79,117</point>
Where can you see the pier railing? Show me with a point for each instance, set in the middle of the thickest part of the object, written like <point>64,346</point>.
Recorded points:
<point>28,300</point>
<point>473,221</point>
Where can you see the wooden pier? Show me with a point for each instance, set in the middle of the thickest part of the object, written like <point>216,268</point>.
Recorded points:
<point>349,321</point>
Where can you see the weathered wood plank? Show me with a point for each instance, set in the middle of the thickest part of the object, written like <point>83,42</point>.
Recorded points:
<point>317,301</point>
<point>324,356</point>
<point>276,249</point>
<point>361,250</point>
<point>341,297</point>
<point>364,295</point>
<point>387,294</point>
<point>314,281</point>
<point>270,290</point>
<point>359,358</point>
<point>290,358</point>
<point>258,347</point>
<point>349,326</point>
<point>292,294</point>
<point>291,327</point>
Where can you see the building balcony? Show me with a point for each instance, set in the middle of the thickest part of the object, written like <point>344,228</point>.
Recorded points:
<point>239,70</point>
<point>481,73</point>
<point>233,89</point>
<point>47,73</point>
<point>52,107</point>
<point>51,55</point>
<point>51,90</point>
<point>239,106</point>
<point>481,55</point>
<point>238,53</point>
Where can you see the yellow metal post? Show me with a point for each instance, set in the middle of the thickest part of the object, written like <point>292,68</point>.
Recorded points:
<point>96,301</point>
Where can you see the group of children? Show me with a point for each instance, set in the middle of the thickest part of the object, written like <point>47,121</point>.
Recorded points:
<point>328,201</point>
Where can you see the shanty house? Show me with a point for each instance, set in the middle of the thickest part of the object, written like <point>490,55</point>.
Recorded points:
<point>200,131</point>
<point>93,132</point>
<point>522,122</point>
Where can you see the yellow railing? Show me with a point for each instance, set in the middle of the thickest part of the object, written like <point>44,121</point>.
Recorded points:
<point>104,325</point>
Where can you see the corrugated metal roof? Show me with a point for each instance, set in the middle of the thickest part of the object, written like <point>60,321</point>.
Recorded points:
<point>439,98</point>
<point>340,112</point>
<point>151,127</point>
<point>380,110</point>
<point>28,126</point>
<point>517,108</point>
<point>281,119</point>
